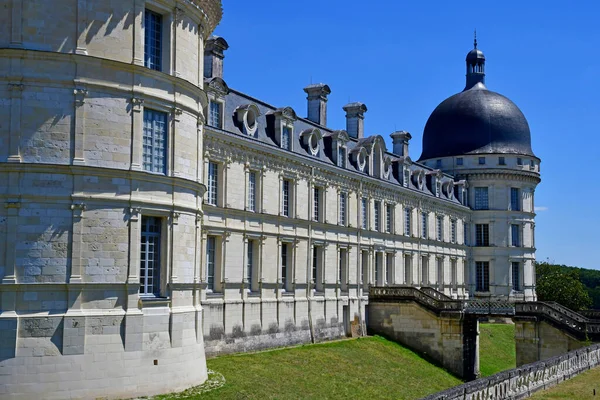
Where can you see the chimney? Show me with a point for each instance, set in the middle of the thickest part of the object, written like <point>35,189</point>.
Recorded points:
<point>355,115</point>
<point>317,102</point>
<point>400,143</point>
<point>213,57</point>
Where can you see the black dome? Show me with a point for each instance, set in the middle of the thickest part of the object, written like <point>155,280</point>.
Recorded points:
<point>476,121</point>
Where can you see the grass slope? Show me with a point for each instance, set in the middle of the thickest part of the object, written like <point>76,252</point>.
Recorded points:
<point>580,387</point>
<point>370,368</point>
<point>496,348</point>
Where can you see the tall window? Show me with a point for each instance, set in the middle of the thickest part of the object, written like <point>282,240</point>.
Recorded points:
<point>466,239</point>
<point>211,259</point>
<point>342,273</point>
<point>424,223</point>
<point>440,228</point>
<point>150,256</point>
<point>483,276</point>
<point>515,203</point>
<point>364,210</point>
<point>364,265</point>
<point>152,40</point>
<point>389,268</point>
<point>250,263</point>
<point>155,141</point>
<point>482,235</point>
<point>378,267</point>
<point>341,158</point>
<point>284,264</point>
<point>453,231</point>
<point>285,197</point>
<point>317,204</point>
<point>516,276</point>
<point>286,137</point>
<point>377,212</point>
<point>481,198</point>
<point>407,269</point>
<point>389,217</point>
<point>214,116</point>
<point>343,208</point>
<point>252,191</point>
<point>212,183</point>
<point>425,270</point>
<point>514,235</point>
<point>317,268</point>
<point>407,212</point>
<point>454,273</point>
<point>440,271</point>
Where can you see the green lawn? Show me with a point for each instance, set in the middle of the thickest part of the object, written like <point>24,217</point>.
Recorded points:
<point>580,387</point>
<point>369,368</point>
<point>496,348</point>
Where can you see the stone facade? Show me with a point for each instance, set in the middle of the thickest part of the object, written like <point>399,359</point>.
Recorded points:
<point>76,90</point>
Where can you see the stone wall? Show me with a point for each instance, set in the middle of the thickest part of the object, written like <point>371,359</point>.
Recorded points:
<point>440,338</point>
<point>521,382</point>
<point>538,340</point>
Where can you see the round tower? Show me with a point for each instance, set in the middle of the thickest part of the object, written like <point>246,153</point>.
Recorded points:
<point>101,180</point>
<point>482,137</point>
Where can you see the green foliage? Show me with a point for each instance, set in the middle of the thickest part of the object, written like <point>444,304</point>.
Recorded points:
<point>365,368</point>
<point>497,351</point>
<point>563,285</point>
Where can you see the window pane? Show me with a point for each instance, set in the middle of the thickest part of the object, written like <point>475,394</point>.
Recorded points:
<point>515,199</point>
<point>252,191</point>
<point>424,224</point>
<point>250,262</point>
<point>154,141</point>
<point>514,233</point>
<point>285,138</point>
<point>482,235</point>
<point>343,208</point>
<point>481,198</point>
<point>285,199</point>
<point>150,256</point>
<point>341,161</point>
<point>516,276</point>
<point>214,116</point>
<point>316,204</point>
<point>388,218</point>
<point>210,261</point>
<point>483,276</point>
<point>376,215</point>
<point>407,212</point>
<point>212,184</point>
<point>284,264</point>
<point>364,213</point>
<point>152,40</point>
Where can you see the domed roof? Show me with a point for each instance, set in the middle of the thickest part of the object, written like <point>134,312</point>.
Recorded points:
<point>476,121</point>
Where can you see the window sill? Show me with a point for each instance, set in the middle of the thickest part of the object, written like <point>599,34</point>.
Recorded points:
<point>154,301</point>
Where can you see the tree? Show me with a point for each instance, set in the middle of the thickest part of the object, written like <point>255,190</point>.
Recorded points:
<point>561,285</point>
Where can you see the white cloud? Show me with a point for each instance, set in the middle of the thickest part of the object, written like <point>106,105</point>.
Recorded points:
<point>541,208</point>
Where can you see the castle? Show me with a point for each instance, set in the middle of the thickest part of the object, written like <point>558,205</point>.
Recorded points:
<point>153,215</point>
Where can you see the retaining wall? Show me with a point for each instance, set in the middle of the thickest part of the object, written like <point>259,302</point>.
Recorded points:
<point>523,381</point>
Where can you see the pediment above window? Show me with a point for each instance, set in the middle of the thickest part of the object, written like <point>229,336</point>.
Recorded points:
<point>216,85</point>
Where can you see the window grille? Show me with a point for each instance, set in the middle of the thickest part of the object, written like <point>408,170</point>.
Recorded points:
<point>481,198</point>
<point>252,191</point>
<point>483,276</point>
<point>152,40</point>
<point>212,183</point>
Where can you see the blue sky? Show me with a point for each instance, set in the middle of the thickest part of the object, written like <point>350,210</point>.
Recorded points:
<point>403,58</point>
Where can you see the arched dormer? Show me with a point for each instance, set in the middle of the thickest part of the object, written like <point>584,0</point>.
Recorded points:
<point>311,139</point>
<point>360,157</point>
<point>335,147</point>
<point>247,118</point>
<point>378,150</point>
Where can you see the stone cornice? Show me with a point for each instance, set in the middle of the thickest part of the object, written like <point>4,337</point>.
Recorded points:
<point>222,146</point>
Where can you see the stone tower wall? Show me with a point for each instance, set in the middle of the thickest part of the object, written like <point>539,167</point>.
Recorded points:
<point>73,91</point>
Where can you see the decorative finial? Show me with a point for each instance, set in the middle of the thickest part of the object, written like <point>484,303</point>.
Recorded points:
<point>475,39</point>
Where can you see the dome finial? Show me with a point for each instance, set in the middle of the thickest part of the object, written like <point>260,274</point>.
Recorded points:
<point>475,39</point>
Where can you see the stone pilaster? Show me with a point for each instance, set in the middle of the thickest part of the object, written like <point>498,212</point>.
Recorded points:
<point>78,156</point>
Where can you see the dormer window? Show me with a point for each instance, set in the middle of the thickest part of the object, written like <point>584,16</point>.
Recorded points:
<point>341,156</point>
<point>215,114</point>
<point>311,138</point>
<point>481,160</point>
<point>406,177</point>
<point>247,116</point>
<point>438,188</point>
<point>519,161</point>
<point>387,166</point>
<point>286,137</point>
<point>459,161</point>
<point>501,161</point>
<point>283,126</point>
<point>438,164</point>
